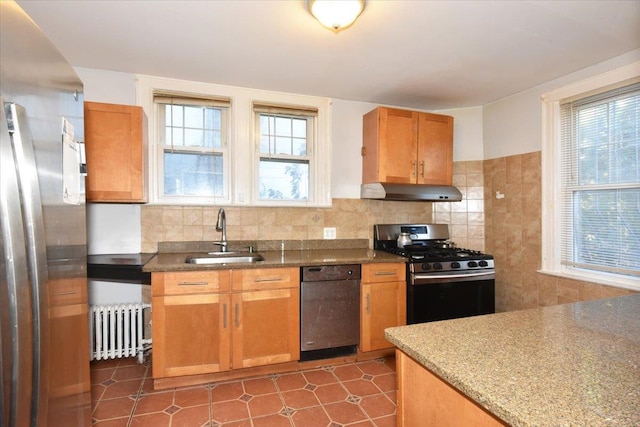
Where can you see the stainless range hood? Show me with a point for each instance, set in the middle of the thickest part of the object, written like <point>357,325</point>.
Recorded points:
<point>410,192</point>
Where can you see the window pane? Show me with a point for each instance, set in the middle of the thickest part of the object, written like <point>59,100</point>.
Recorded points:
<point>283,180</point>
<point>300,128</point>
<point>608,142</point>
<point>607,228</point>
<point>193,117</point>
<point>283,135</point>
<point>193,174</point>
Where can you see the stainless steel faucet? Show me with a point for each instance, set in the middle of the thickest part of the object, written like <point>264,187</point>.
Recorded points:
<point>221,225</point>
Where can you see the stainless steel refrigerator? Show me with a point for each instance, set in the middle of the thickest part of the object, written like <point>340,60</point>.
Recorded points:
<point>44,351</point>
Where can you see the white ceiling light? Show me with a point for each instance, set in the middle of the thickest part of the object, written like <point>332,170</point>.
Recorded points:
<point>336,14</point>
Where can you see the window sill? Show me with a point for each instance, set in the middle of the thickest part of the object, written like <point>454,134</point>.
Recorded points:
<point>598,279</point>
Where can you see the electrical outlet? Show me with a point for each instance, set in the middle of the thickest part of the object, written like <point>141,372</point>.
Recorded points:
<point>329,232</point>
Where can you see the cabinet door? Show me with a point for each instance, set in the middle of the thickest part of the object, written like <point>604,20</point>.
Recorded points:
<point>191,334</point>
<point>435,149</point>
<point>266,327</point>
<point>115,151</point>
<point>390,145</point>
<point>383,305</point>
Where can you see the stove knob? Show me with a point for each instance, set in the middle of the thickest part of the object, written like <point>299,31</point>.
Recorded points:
<point>455,265</point>
<point>426,267</point>
<point>437,266</point>
<point>472,264</point>
<point>483,263</point>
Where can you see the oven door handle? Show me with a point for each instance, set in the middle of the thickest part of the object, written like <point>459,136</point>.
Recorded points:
<point>440,278</point>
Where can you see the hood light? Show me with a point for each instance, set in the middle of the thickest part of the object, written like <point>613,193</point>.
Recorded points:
<point>336,14</point>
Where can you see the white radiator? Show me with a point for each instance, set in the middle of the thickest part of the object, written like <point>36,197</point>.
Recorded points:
<point>117,330</point>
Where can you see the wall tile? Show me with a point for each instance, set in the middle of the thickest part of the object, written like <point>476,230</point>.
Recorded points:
<point>513,234</point>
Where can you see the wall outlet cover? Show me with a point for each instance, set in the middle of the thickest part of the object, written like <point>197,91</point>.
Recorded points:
<point>329,232</point>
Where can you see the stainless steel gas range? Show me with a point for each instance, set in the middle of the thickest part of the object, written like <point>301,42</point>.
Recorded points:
<point>443,281</point>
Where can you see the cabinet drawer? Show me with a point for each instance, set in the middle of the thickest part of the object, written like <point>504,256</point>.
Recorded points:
<point>190,282</point>
<point>383,272</point>
<point>265,278</point>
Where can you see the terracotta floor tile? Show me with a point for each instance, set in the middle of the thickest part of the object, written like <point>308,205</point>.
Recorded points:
<point>129,372</point>
<point>388,421</point>
<point>347,372</point>
<point>274,420</point>
<point>99,375</point>
<point>194,416</point>
<point>374,367</point>
<point>377,406</point>
<point>353,395</point>
<point>104,364</point>
<point>240,423</point>
<point>121,389</point>
<point>264,405</point>
<point>319,377</point>
<point>257,386</point>
<point>365,423</point>
<point>159,419</point>
<point>310,417</point>
<point>291,381</point>
<point>331,393</point>
<point>113,408</point>
<point>345,412</point>
<point>156,402</point>
<point>298,399</point>
<point>226,391</point>
<point>386,382</point>
<point>117,422</point>
<point>361,387</point>
<point>97,391</point>
<point>191,397</point>
<point>232,410</point>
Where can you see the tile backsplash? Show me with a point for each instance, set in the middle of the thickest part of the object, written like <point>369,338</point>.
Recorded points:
<point>352,218</point>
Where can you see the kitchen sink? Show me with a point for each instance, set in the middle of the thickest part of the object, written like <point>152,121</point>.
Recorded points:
<point>224,258</point>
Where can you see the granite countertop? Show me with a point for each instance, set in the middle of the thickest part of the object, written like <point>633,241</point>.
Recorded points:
<point>566,365</point>
<point>175,261</point>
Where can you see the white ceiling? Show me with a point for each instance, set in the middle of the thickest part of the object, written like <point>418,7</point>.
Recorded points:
<point>420,54</point>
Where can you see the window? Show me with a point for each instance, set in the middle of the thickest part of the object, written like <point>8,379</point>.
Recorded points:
<point>224,145</point>
<point>285,150</point>
<point>192,147</point>
<point>594,234</point>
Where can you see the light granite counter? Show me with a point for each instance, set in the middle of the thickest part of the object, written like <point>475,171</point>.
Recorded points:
<point>288,258</point>
<point>567,365</point>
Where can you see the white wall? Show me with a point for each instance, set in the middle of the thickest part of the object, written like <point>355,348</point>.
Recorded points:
<point>513,125</point>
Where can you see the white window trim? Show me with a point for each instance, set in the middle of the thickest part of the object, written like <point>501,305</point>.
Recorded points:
<point>551,242</point>
<point>241,148</point>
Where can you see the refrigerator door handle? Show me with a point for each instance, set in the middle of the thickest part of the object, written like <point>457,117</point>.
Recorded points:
<point>15,300</point>
<point>33,218</point>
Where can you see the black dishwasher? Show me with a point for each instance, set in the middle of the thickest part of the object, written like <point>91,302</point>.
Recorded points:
<point>329,311</point>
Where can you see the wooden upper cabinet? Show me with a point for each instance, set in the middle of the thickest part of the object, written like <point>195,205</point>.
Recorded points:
<point>407,147</point>
<point>115,144</point>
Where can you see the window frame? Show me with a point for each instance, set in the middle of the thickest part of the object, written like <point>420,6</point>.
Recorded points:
<point>288,111</point>
<point>241,142</point>
<point>160,148</point>
<point>551,175</point>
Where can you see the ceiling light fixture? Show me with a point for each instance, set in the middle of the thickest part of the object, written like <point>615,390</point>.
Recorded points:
<point>336,14</point>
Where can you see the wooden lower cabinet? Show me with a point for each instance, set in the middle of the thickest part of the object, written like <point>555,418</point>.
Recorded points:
<point>383,303</point>
<point>191,334</point>
<point>266,327</point>
<point>233,321</point>
<point>425,400</point>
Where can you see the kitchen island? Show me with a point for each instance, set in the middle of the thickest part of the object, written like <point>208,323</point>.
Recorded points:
<point>566,365</point>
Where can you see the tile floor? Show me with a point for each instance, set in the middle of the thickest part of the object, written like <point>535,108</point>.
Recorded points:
<point>357,394</point>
